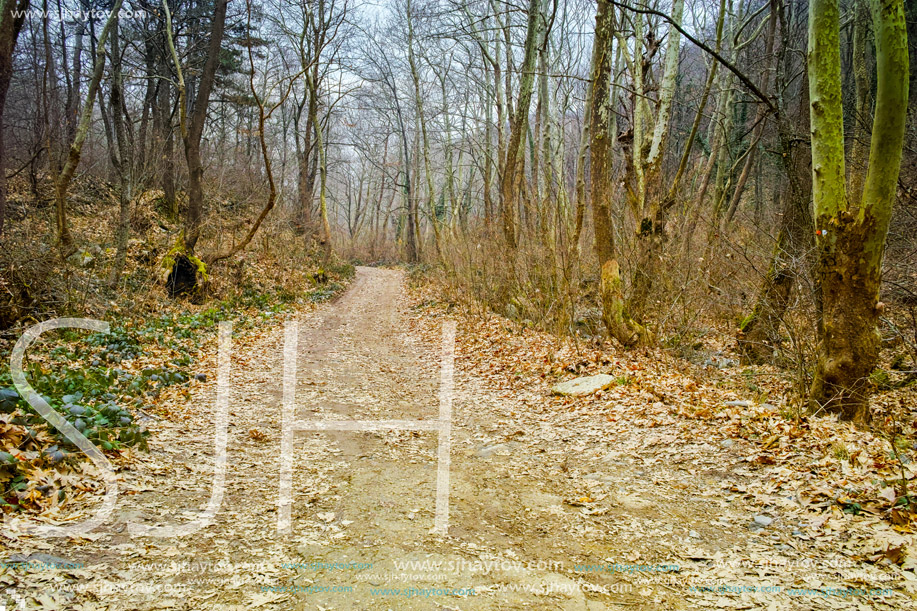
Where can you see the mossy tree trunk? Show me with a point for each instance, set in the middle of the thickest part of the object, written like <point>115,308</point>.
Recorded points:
<point>858,157</point>
<point>851,238</point>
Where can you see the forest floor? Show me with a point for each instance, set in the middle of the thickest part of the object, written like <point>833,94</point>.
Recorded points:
<point>654,494</point>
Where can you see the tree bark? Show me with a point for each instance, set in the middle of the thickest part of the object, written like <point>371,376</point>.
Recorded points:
<point>307,170</point>
<point>322,168</point>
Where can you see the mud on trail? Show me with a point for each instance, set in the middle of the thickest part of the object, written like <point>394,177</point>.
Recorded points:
<point>547,510</point>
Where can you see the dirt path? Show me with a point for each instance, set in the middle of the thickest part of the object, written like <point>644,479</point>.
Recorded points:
<point>535,498</point>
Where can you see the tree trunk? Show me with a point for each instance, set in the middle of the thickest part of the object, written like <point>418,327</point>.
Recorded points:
<point>82,131</point>
<point>760,332</point>
<point>579,184</point>
<point>73,95</point>
<point>410,229</point>
<point>307,171</point>
<point>851,239</point>
<point>322,168</point>
<point>10,26</point>
<point>760,117</point>
<point>652,212</point>
<point>149,105</point>
<point>425,141</point>
<point>616,321</point>
<point>122,157</point>
<point>487,169</point>
<point>512,169</point>
<point>192,136</point>
<point>859,150</point>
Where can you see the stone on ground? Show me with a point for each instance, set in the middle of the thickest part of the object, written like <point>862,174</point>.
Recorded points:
<point>583,386</point>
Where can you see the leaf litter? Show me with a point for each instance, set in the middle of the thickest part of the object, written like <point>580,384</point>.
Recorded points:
<point>666,468</point>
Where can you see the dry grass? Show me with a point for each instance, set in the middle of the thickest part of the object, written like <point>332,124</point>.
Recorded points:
<point>36,284</point>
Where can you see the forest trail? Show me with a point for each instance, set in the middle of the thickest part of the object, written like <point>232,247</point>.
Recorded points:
<point>533,498</point>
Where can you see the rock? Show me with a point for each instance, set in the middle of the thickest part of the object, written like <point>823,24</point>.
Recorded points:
<point>591,318</point>
<point>489,451</point>
<point>762,520</point>
<point>200,377</point>
<point>82,259</point>
<point>737,403</point>
<point>587,385</point>
<point>719,362</point>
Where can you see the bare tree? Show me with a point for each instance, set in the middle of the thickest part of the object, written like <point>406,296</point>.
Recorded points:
<point>12,16</point>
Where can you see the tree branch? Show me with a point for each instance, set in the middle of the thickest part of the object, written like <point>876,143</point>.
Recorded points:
<point>726,63</point>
